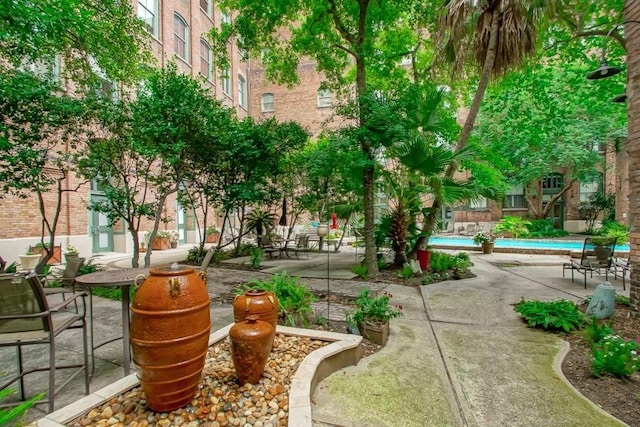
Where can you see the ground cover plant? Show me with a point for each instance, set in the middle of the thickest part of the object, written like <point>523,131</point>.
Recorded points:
<point>561,315</point>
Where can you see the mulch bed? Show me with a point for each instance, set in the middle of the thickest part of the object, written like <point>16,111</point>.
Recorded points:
<point>619,397</point>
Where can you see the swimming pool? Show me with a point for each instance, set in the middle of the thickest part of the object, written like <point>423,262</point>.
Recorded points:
<point>571,245</point>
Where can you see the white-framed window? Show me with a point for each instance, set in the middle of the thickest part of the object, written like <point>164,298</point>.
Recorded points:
<point>225,18</point>
<point>181,37</point>
<point>148,13</point>
<point>226,81</point>
<point>205,5</point>
<point>242,91</point>
<point>264,55</point>
<point>105,87</point>
<point>514,197</point>
<point>324,98</point>
<point>267,102</point>
<point>406,60</point>
<point>46,69</point>
<point>206,60</point>
<point>589,189</point>
<point>480,203</point>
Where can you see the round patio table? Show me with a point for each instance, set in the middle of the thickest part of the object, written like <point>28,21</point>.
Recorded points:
<point>123,279</point>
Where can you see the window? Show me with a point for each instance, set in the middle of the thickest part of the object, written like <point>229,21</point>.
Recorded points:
<point>590,189</point>
<point>148,13</point>
<point>324,98</point>
<point>205,60</point>
<point>268,103</point>
<point>265,56</point>
<point>226,82</point>
<point>225,18</point>
<point>514,197</point>
<point>553,183</point>
<point>205,5</point>
<point>181,37</point>
<point>480,203</point>
<point>46,69</point>
<point>242,91</point>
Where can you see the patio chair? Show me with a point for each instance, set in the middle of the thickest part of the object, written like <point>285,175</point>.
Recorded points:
<point>302,245</point>
<point>597,255</point>
<point>471,230</point>
<point>265,242</point>
<point>621,266</point>
<point>66,280</point>
<point>27,319</point>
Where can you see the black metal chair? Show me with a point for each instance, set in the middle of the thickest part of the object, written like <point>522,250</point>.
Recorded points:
<point>27,319</point>
<point>597,255</point>
<point>621,266</point>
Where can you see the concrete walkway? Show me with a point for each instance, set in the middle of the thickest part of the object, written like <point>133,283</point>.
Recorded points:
<point>460,356</point>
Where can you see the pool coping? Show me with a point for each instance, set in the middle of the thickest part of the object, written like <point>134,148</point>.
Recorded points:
<point>343,351</point>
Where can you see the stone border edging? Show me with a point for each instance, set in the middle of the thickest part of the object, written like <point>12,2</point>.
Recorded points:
<point>557,367</point>
<point>342,352</point>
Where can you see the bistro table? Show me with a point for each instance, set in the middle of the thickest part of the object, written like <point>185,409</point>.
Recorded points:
<point>122,278</point>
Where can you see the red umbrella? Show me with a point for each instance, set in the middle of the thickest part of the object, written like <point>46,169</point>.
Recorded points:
<point>334,225</point>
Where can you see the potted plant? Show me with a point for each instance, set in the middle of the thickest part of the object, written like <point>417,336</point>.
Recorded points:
<point>486,240</point>
<point>372,315</point>
<point>161,241</point>
<point>29,260</point>
<point>70,253</point>
<point>41,248</point>
<point>213,235</point>
<point>173,238</point>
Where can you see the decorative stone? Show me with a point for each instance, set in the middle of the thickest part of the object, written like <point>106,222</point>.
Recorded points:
<point>603,301</point>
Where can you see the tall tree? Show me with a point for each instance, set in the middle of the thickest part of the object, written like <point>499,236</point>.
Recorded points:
<point>555,131</point>
<point>336,35</point>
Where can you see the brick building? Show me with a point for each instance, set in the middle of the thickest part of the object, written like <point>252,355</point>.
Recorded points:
<point>179,29</point>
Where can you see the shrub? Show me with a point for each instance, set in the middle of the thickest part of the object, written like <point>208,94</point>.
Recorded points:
<point>360,270</point>
<point>544,228</point>
<point>195,255</point>
<point>512,224</point>
<point>595,332</point>
<point>90,267</point>
<point>373,309</point>
<point>257,255</point>
<point>615,229</point>
<point>405,272</point>
<point>561,315</point>
<point>294,299</point>
<point>616,356</point>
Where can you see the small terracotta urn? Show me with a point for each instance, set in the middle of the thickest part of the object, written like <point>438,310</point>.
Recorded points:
<point>251,343</point>
<point>258,302</point>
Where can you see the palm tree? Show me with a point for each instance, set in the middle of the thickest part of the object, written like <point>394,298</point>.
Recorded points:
<point>495,34</point>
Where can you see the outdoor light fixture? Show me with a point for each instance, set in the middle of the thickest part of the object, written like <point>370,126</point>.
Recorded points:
<point>605,70</point>
<point>620,98</point>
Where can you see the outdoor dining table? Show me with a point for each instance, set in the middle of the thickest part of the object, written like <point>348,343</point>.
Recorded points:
<point>122,278</point>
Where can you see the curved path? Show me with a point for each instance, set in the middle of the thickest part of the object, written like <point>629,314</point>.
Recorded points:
<point>461,356</point>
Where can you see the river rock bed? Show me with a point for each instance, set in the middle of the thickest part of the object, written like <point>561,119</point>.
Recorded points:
<point>220,400</point>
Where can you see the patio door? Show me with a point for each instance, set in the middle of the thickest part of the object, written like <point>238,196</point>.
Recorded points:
<point>182,223</point>
<point>556,215</point>
<point>99,228</point>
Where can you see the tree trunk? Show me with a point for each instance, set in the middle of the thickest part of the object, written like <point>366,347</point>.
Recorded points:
<point>432,218</point>
<point>632,32</point>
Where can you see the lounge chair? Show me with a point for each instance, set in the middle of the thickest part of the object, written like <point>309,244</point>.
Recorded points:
<point>597,255</point>
<point>302,245</point>
<point>621,266</point>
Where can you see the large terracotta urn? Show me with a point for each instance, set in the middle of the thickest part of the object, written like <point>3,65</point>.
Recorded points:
<point>259,302</point>
<point>251,343</point>
<point>170,326</point>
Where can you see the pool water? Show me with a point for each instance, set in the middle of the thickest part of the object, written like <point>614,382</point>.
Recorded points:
<point>574,245</point>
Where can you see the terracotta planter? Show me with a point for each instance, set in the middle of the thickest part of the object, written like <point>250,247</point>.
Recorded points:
<point>487,247</point>
<point>160,243</point>
<point>174,245</point>
<point>213,238</point>
<point>56,258</point>
<point>251,343</point>
<point>375,332</point>
<point>258,302</point>
<point>170,328</point>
